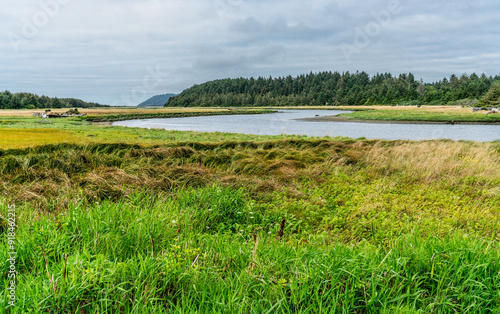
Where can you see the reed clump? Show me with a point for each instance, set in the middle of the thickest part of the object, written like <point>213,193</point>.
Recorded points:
<point>431,160</point>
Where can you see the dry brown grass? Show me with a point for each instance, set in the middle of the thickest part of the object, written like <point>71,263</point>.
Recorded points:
<point>430,109</point>
<point>114,171</point>
<point>431,159</point>
<point>427,108</point>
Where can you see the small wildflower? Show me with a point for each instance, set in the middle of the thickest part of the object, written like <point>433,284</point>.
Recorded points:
<point>251,217</point>
<point>209,209</point>
<point>242,230</point>
<point>239,213</point>
<point>173,221</point>
<point>251,213</point>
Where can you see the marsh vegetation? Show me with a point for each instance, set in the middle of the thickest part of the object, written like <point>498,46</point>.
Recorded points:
<point>443,114</point>
<point>152,221</point>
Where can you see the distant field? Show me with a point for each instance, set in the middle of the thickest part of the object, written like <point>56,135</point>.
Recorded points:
<point>121,110</point>
<point>411,108</point>
<point>98,111</point>
<point>425,113</point>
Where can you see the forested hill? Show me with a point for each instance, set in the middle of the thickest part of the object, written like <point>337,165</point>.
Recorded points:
<point>327,88</point>
<point>9,100</point>
<point>158,100</point>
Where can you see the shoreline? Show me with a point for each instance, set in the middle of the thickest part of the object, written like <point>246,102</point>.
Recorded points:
<point>342,119</point>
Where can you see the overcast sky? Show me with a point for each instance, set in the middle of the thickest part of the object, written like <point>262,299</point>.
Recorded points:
<point>124,51</point>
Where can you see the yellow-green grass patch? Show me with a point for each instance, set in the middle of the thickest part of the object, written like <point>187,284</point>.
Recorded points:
<point>20,138</point>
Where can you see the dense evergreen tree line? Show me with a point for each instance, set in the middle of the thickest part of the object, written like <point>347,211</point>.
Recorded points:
<point>9,100</point>
<point>342,89</point>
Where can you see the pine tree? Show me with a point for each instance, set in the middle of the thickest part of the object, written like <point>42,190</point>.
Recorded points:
<point>492,97</point>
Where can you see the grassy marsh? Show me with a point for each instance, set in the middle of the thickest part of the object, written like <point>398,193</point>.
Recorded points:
<point>425,114</point>
<point>154,221</point>
<point>22,132</point>
<point>132,116</point>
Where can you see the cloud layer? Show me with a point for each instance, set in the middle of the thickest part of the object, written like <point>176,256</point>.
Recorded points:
<point>119,52</point>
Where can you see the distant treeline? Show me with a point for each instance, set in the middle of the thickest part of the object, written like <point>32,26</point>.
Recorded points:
<point>9,100</point>
<point>337,89</point>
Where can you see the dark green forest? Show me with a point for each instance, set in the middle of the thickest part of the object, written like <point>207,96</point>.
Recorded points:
<point>336,89</point>
<point>9,100</point>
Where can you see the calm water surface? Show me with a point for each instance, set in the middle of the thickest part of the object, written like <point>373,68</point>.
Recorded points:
<point>286,122</point>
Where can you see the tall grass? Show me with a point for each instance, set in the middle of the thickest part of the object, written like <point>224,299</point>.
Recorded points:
<point>355,189</point>
<point>156,257</point>
<point>281,226</point>
<point>431,160</point>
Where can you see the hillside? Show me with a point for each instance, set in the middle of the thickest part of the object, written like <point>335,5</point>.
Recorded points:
<point>327,88</point>
<point>158,100</point>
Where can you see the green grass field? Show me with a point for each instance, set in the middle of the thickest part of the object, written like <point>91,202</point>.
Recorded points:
<point>444,114</point>
<point>154,221</point>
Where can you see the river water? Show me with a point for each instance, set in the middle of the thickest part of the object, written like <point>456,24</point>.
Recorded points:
<point>288,122</point>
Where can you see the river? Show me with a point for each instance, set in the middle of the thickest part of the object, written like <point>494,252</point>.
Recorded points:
<point>289,122</point>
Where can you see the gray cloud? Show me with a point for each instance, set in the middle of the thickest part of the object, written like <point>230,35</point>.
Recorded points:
<point>101,50</point>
